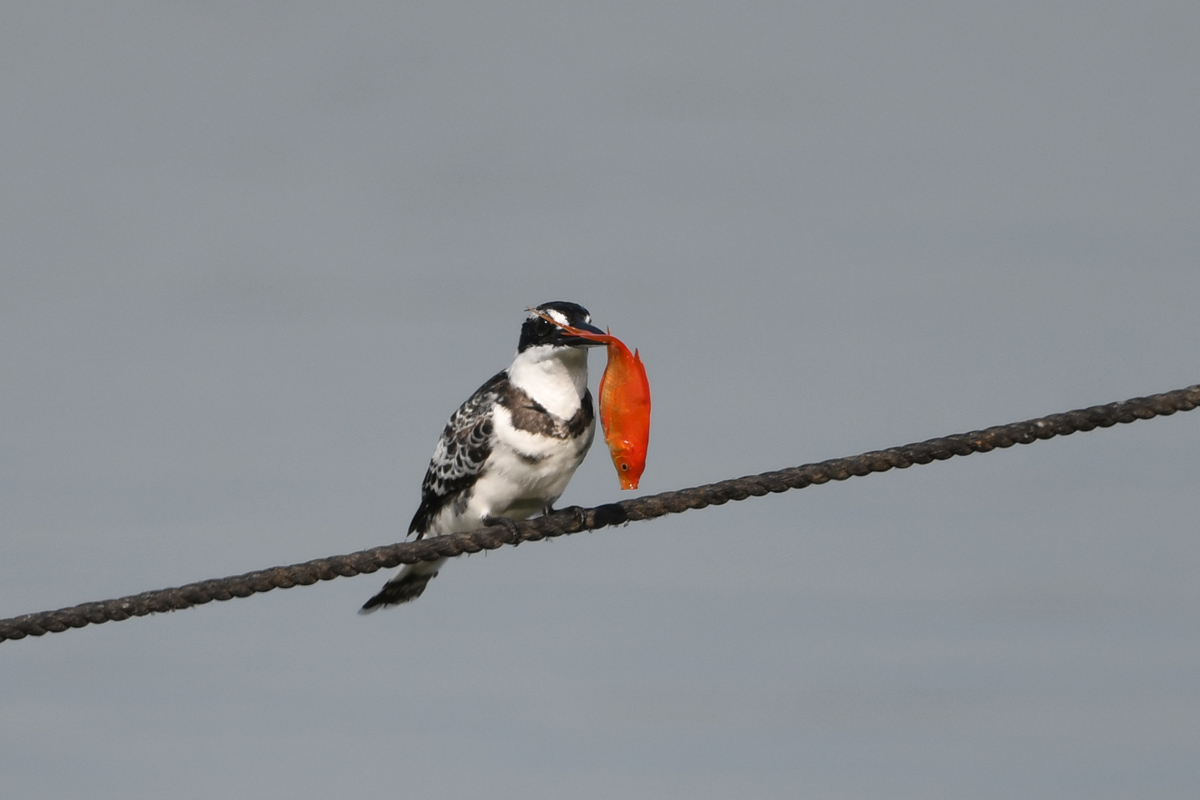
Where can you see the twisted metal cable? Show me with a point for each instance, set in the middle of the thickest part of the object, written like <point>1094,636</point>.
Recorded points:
<point>574,520</point>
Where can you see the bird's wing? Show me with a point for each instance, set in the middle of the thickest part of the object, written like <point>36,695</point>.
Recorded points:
<point>460,454</point>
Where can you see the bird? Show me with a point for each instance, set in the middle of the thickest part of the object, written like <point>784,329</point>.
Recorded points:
<point>510,450</point>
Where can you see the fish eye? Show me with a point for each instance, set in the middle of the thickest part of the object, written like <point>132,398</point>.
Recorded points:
<point>624,468</point>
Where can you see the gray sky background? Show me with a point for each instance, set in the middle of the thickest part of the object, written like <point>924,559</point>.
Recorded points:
<point>251,258</point>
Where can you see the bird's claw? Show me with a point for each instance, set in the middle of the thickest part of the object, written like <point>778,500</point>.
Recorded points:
<point>578,515</point>
<point>507,524</point>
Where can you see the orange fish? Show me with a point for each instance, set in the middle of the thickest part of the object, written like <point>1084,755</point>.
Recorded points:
<point>624,406</point>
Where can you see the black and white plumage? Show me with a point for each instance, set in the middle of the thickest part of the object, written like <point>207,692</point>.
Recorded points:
<point>511,448</point>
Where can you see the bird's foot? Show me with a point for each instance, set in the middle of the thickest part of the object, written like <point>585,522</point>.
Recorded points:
<point>578,515</point>
<point>507,524</point>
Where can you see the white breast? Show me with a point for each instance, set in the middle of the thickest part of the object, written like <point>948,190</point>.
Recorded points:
<point>556,377</point>
<point>525,472</point>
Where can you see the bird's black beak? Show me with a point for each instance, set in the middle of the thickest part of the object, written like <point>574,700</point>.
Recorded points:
<point>579,341</point>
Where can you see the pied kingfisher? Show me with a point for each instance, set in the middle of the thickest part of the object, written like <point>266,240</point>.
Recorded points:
<point>511,449</point>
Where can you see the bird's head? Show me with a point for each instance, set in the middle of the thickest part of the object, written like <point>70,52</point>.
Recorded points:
<point>540,331</point>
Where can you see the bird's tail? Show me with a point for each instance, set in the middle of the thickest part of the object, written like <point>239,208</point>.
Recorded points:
<point>407,585</point>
